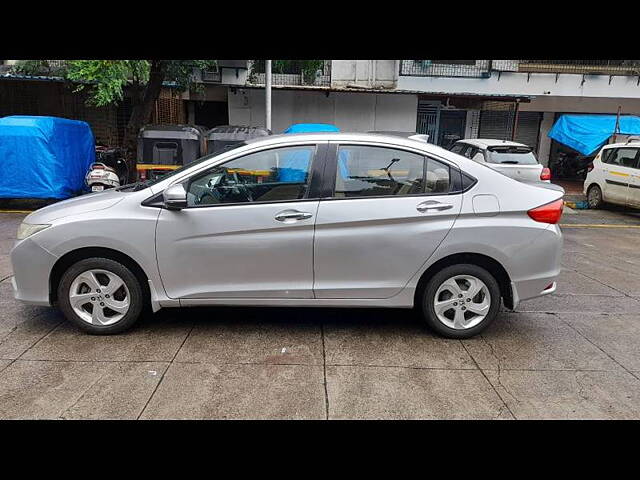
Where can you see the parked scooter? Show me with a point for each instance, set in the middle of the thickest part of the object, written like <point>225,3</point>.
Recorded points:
<point>109,171</point>
<point>568,165</point>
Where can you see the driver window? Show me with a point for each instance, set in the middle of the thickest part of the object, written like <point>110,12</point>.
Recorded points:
<point>271,175</point>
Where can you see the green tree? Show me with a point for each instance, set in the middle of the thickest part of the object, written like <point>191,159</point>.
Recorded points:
<point>105,82</point>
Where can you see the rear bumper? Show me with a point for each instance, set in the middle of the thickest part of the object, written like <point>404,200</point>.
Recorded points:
<point>532,291</point>
<point>539,267</point>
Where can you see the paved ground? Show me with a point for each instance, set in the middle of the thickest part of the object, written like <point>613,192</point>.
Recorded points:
<point>571,355</point>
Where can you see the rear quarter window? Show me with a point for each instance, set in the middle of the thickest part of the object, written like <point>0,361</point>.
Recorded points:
<point>459,148</point>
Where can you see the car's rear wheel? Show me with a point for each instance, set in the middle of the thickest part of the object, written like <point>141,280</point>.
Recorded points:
<point>461,300</point>
<point>100,296</point>
<point>594,197</point>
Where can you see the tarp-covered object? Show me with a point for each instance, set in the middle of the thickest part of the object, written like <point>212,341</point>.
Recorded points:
<point>586,133</point>
<point>44,157</point>
<point>311,127</point>
<point>296,164</point>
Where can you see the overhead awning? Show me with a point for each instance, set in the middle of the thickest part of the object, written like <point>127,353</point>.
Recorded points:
<point>587,133</point>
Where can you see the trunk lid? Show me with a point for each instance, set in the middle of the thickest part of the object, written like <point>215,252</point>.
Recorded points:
<point>527,173</point>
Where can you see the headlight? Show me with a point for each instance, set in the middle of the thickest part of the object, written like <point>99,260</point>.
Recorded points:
<point>26,229</point>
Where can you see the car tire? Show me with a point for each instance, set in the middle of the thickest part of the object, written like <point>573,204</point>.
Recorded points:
<point>594,197</point>
<point>79,281</point>
<point>460,319</point>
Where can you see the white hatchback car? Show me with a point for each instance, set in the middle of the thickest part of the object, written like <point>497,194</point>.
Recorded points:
<point>614,175</point>
<point>515,160</point>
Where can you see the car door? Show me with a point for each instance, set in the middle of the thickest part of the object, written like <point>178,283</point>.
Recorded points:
<point>247,230</point>
<point>617,166</point>
<point>388,210</point>
<point>633,192</point>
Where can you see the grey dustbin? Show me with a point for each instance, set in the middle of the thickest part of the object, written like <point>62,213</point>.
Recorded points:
<point>224,137</point>
<point>170,144</point>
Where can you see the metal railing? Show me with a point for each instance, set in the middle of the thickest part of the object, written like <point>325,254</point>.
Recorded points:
<point>292,72</point>
<point>584,67</point>
<point>446,68</point>
<point>483,68</point>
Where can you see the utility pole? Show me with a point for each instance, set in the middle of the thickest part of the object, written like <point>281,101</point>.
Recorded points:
<point>514,129</point>
<point>616,129</point>
<point>267,93</point>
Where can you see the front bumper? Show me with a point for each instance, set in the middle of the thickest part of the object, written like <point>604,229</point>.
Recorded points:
<point>32,266</point>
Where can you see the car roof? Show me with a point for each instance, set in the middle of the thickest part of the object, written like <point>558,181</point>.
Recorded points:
<point>490,142</point>
<point>633,143</point>
<point>348,137</point>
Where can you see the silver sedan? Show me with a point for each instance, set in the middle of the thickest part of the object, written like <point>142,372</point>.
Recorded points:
<point>311,220</point>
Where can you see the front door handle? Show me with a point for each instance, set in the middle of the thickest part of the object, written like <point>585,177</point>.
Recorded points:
<point>288,216</point>
<point>433,205</point>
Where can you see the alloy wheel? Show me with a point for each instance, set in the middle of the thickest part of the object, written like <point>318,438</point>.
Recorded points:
<point>99,297</point>
<point>462,302</point>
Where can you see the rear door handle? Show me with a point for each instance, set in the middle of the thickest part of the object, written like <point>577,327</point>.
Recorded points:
<point>433,205</point>
<point>288,216</point>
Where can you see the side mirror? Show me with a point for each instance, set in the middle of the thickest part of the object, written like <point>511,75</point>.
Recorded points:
<point>175,197</point>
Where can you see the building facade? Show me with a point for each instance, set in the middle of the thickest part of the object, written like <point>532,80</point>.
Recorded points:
<point>446,99</point>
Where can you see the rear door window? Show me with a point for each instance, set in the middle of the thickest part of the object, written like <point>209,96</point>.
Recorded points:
<point>365,171</point>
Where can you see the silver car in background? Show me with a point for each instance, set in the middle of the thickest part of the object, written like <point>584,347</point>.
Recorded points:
<point>515,160</point>
<point>307,220</point>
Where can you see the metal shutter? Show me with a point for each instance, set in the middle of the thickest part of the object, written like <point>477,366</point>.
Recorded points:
<point>499,125</point>
<point>529,129</point>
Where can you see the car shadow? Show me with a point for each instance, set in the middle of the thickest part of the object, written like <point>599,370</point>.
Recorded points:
<point>202,316</point>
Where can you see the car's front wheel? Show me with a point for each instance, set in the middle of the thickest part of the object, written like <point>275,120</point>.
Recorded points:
<point>461,300</point>
<point>100,296</point>
<point>594,197</point>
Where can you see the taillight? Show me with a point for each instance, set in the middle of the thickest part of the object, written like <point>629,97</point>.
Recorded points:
<point>590,167</point>
<point>545,174</point>
<point>549,213</point>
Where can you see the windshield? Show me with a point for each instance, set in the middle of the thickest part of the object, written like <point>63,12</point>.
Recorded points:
<point>226,148</point>
<point>511,155</point>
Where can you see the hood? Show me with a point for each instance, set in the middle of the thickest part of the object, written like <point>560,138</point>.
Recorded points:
<point>74,206</point>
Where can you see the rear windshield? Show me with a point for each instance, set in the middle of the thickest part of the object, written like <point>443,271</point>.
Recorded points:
<point>511,155</point>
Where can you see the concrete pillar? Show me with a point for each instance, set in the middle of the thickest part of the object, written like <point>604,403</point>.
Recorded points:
<point>545,142</point>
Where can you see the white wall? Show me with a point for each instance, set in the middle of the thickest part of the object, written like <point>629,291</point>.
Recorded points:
<point>537,84</point>
<point>356,112</point>
<point>361,72</point>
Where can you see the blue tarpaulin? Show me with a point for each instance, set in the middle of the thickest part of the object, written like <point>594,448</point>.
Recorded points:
<point>295,166</point>
<point>311,127</point>
<point>586,133</point>
<point>44,157</point>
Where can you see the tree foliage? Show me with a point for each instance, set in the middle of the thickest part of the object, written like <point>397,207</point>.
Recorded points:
<point>106,80</point>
